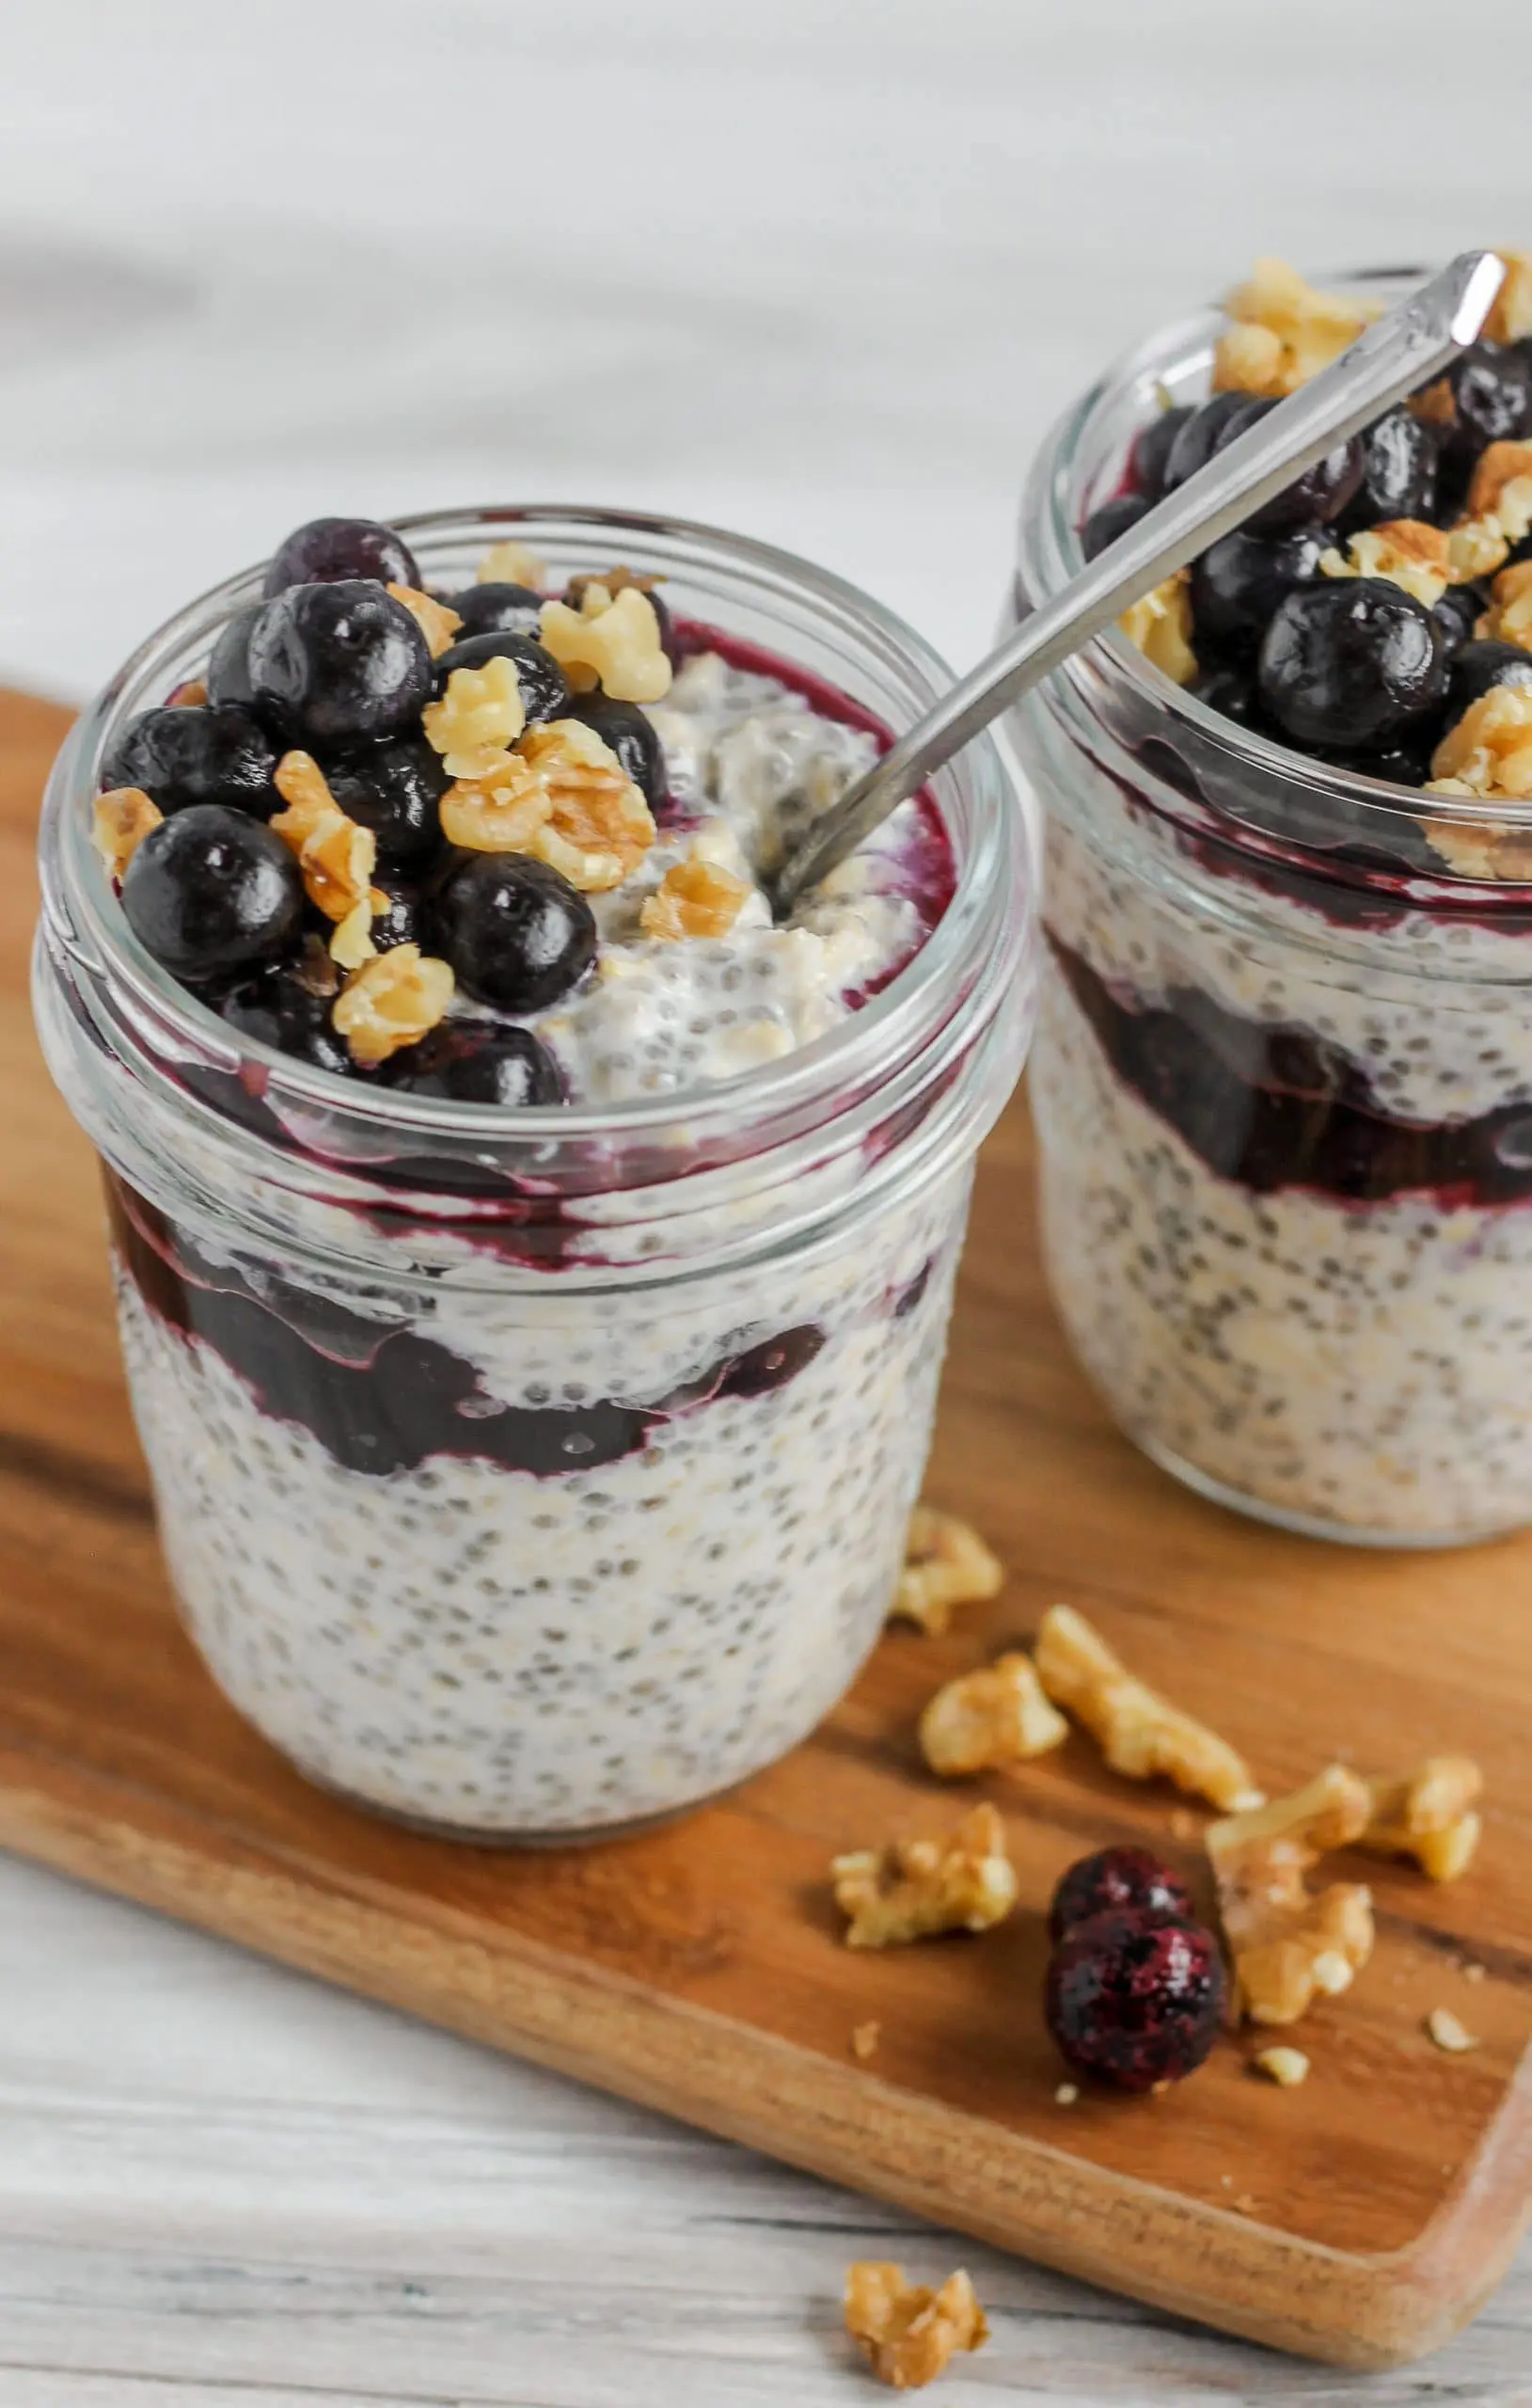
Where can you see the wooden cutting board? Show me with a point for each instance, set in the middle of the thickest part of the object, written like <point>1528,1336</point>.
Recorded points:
<point>1361,2219</point>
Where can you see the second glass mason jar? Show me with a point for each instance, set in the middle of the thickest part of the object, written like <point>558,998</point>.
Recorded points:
<point>534,1475</point>
<point>1282,1078</point>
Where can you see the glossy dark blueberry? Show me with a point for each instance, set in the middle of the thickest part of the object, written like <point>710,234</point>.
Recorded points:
<point>1204,431</point>
<point>228,668</point>
<point>773,1363</point>
<point>1113,518</point>
<point>1152,450</point>
<point>1135,1998</point>
<point>630,735</point>
<point>1407,763</point>
<point>1230,690</point>
<point>394,790</point>
<point>1318,497</point>
<point>475,1062</point>
<point>1115,1878</point>
<point>404,922</point>
<point>280,1007</point>
<point>1482,664</point>
<point>1457,614</point>
<point>1239,580</point>
<point>212,891</point>
<point>187,754</point>
<point>1492,403</point>
<point>496,607</point>
<point>517,935</point>
<point>339,664</point>
<point>327,551</point>
<point>545,689</point>
<point>1348,662</point>
<point>1400,457</point>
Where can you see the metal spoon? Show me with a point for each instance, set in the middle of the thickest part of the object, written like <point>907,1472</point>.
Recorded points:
<point>1402,352</point>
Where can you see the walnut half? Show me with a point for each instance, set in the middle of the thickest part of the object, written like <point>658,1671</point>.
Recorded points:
<point>917,1888</point>
<point>122,818</point>
<point>1289,1944</point>
<point>1284,331</point>
<point>906,2332</point>
<point>1140,1732</point>
<point>391,1001</point>
<point>1429,1814</point>
<point>999,1715</point>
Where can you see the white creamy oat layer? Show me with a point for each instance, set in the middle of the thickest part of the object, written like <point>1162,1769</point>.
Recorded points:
<point>751,763</point>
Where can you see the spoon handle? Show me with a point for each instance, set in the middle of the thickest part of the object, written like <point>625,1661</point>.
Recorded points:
<point>1403,351</point>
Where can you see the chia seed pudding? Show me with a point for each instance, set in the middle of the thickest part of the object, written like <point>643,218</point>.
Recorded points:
<point>1283,1076</point>
<point>534,1400</point>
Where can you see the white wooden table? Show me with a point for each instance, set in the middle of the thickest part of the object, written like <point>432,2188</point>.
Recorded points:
<point>823,270</point>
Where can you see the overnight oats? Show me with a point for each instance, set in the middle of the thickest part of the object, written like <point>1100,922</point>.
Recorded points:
<point>534,1261</point>
<point>1283,1074</point>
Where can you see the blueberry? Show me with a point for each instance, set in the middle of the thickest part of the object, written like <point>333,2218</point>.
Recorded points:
<point>228,668</point>
<point>631,735</point>
<point>1457,614</point>
<point>400,923</point>
<point>329,552</point>
<point>1239,581</point>
<point>1204,431</point>
<point>1320,492</point>
<point>1492,403</point>
<point>1400,457</point>
<point>475,1062</point>
<point>1408,763</point>
<point>187,754</point>
<point>1478,666</point>
<point>545,689</point>
<point>517,934</point>
<point>281,1009</point>
<point>1135,1998</point>
<point>494,609</point>
<point>1349,661</point>
<point>1152,449</point>
<point>1231,692</point>
<point>394,790</point>
<point>339,664</point>
<point>212,891</point>
<point>1113,518</point>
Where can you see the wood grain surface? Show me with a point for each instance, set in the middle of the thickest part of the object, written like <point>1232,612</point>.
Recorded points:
<point>698,1970</point>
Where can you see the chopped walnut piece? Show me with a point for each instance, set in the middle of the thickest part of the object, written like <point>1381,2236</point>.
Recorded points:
<point>996,1716</point>
<point>1499,464</point>
<point>1404,550</point>
<point>1487,754</point>
<point>479,716</point>
<point>511,563</point>
<point>599,825</point>
<point>1284,331</point>
<point>612,641</point>
<point>906,2331</point>
<point>946,1564</point>
<point>436,623</point>
<point>1290,1944</point>
<point>336,855</point>
<point>1447,2033</point>
<point>502,813</point>
<point>391,1000</point>
<point>1159,626</point>
<point>1510,319</point>
<point>1140,1734</point>
<point>615,580</point>
<point>1287,2068</point>
<point>316,970</point>
<point>121,819</point>
<point>189,695</point>
<point>1499,513</point>
<point>1429,1814</point>
<point>694,899</point>
<point>917,1888</point>
<point>864,2040</point>
<point>1508,619</point>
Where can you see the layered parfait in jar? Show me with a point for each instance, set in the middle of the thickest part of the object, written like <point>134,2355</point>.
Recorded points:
<point>1283,1075</point>
<point>534,1261</point>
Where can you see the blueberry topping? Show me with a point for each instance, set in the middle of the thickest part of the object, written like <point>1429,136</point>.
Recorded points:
<point>228,669</point>
<point>213,891</point>
<point>328,551</point>
<point>1113,518</point>
<point>1135,1998</point>
<point>400,923</point>
<point>1400,460</point>
<point>281,1007</point>
<point>517,935</point>
<point>1347,662</point>
<point>545,689</point>
<point>1204,431</point>
<point>1479,666</point>
<point>1152,450</point>
<point>1320,492</point>
<point>1408,763</point>
<point>1231,692</point>
<point>475,1062</point>
<point>1239,580</point>
<point>1492,403</point>
<point>339,664</point>
<point>630,735</point>
<point>497,608</point>
<point>1457,612</point>
<point>1116,1878</point>
<point>187,754</point>
<point>395,790</point>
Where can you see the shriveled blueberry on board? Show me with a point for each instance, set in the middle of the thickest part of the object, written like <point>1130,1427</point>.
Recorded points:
<point>1135,1998</point>
<point>625,730</point>
<point>339,664</point>
<point>210,891</point>
<point>1238,583</point>
<point>476,1062</point>
<point>517,934</point>
<point>1346,663</point>
<point>186,753</point>
<point>496,608</point>
<point>1115,1878</point>
<point>545,689</point>
<point>396,790</point>
<point>324,551</point>
<point>1113,518</point>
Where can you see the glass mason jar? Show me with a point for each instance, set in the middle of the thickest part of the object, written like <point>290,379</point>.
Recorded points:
<point>534,1475</point>
<point>1282,1077</point>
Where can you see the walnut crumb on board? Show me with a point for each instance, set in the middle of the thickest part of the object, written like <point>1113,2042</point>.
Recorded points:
<point>864,2040</point>
<point>946,1565</point>
<point>1066,2094</point>
<point>1429,1814</point>
<point>1140,1732</point>
<point>1289,1944</point>
<point>996,1716</point>
<point>1287,2068</point>
<point>906,2332</point>
<point>916,1888</point>
<point>1445,2032</point>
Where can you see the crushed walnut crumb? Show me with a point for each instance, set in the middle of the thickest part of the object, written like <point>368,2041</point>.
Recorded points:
<point>1487,755</point>
<point>511,563</point>
<point>479,716</point>
<point>562,795</point>
<point>1287,2068</point>
<point>189,695</point>
<point>1284,331</point>
<point>1447,2032</point>
<point>121,819</point>
<point>612,641</point>
<point>1406,551</point>
<point>1429,1815</point>
<point>1508,618</point>
<point>1067,2094</point>
<point>906,2332</point>
<point>1158,624</point>
<point>917,1888</point>
<point>999,1715</point>
<point>693,899</point>
<point>1290,1944</point>
<point>391,1001</point>
<point>336,855</point>
<point>864,2040</point>
<point>946,1565</point>
<point>1510,319</point>
<point>436,623</point>
<point>1140,1734</point>
<point>1475,1973</point>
